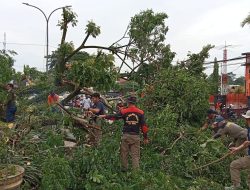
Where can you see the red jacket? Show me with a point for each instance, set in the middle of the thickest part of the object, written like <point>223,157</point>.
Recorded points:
<point>134,120</point>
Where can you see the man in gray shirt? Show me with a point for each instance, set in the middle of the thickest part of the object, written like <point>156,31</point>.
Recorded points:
<point>230,129</point>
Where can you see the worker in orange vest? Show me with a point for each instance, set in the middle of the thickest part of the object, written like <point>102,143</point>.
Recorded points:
<point>134,122</point>
<point>53,98</point>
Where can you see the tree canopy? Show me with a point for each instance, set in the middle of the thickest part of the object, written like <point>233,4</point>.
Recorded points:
<point>174,98</point>
<point>149,53</point>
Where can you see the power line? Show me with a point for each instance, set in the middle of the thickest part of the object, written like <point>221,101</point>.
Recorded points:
<point>219,61</point>
<point>26,44</point>
<point>232,59</point>
<point>211,66</point>
<point>235,69</point>
<point>21,66</point>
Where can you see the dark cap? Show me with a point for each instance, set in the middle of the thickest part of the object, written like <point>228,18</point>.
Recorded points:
<point>132,99</point>
<point>96,95</point>
<point>211,111</point>
<point>219,119</point>
<point>52,92</point>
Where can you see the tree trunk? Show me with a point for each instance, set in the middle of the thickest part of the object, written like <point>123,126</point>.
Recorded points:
<point>64,34</point>
<point>71,96</point>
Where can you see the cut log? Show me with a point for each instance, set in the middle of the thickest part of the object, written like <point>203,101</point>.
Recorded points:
<point>84,123</point>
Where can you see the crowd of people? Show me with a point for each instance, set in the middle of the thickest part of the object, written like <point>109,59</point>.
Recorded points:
<point>134,123</point>
<point>82,101</point>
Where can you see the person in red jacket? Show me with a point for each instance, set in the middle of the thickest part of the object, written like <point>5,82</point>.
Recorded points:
<point>53,98</point>
<point>134,122</point>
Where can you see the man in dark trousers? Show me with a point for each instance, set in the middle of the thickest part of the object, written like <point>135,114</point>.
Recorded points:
<point>222,127</point>
<point>97,109</point>
<point>134,122</point>
<point>242,163</point>
<point>10,103</point>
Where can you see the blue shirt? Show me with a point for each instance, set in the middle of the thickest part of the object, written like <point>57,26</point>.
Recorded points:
<point>100,106</point>
<point>217,118</point>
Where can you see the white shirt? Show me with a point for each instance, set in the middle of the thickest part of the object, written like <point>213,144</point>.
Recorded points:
<point>86,103</point>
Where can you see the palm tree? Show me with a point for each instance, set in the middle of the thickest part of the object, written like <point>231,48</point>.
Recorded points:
<point>246,21</point>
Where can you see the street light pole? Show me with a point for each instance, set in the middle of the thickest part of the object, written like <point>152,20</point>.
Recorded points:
<point>47,27</point>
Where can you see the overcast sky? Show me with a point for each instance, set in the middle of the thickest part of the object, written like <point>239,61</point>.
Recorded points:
<point>192,24</point>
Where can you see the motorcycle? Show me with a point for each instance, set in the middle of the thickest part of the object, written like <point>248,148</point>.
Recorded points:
<point>231,115</point>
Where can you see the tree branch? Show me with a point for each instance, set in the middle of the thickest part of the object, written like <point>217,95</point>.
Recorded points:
<point>100,47</point>
<point>113,50</point>
<point>82,121</point>
<point>78,49</point>
<point>213,162</point>
<point>172,146</point>
<point>124,36</point>
<point>125,55</point>
<point>71,95</point>
<point>65,28</point>
<point>123,61</point>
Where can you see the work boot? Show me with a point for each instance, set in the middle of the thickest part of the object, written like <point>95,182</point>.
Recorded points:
<point>233,188</point>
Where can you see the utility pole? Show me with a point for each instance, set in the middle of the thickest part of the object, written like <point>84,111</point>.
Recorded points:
<point>4,43</point>
<point>224,72</point>
<point>224,78</point>
<point>247,78</point>
<point>47,28</point>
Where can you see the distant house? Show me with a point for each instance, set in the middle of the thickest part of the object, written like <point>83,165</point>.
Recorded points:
<point>235,89</point>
